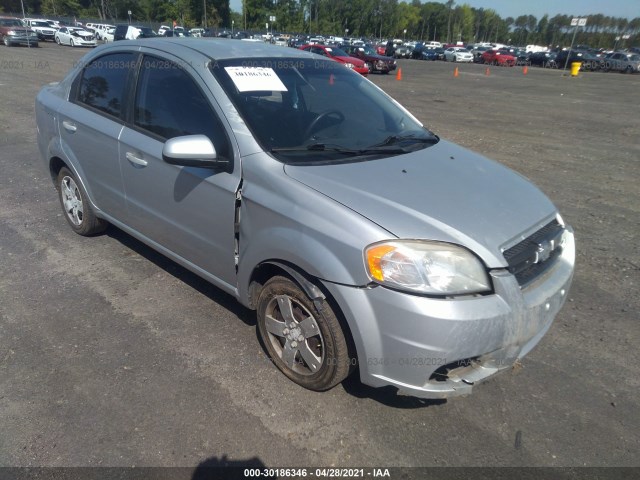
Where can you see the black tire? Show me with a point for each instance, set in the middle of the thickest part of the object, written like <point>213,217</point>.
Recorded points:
<point>76,206</point>
<point>57,39</point>
<point>71,43</point>
<point>324,360</point>
<point>7,42</point>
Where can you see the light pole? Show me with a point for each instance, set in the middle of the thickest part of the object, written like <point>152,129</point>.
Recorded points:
<point>232,23</point>
<point>204,6</point>
<point>404,38</point>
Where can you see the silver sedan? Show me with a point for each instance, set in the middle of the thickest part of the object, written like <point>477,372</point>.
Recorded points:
<point>458,54</point>
<point>362,240</point>
<point>75,37</point>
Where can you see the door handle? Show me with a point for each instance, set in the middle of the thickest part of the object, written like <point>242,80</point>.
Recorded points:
<point>68,126</point>
<point>135,160</point>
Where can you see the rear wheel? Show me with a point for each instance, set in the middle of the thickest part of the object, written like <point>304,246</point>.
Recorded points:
<point>76,206</point>
<point>303,338</point>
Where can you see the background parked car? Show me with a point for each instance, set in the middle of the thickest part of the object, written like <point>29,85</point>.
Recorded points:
<point>588,60</point>
<point>42,28</point>
<point>498,57</point>
<point>101,29</point>
<point>108,35</point>
<point>375,62</point>
<point>402,51</point>
<point>75,37</point>
<point>543,59</point>
<point>458,54</point>
<point>478,51</point>
<point>424,52</point>
<point>623,62</point>
<point>338,55</point>
<point>13,32</point>
<point>131,32</point>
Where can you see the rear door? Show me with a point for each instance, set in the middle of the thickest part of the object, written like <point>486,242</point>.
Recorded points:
<point>188,210</point>
<point>91,123</point>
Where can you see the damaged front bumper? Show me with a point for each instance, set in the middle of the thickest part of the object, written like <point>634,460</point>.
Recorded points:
<point>439,348</point>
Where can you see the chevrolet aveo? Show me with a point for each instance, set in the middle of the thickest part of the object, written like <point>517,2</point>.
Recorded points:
<point>362,240</point>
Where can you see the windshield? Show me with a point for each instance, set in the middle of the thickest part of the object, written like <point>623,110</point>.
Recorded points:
<point>146,32</point>
<point>305,110</point>
<point>336,52</point>
<point>40,24</point>
<point>10,23</point>
<point>369,50</point>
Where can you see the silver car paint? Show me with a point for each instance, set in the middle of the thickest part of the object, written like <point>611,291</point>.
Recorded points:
<point>479,203</point>
<point>320,219</point>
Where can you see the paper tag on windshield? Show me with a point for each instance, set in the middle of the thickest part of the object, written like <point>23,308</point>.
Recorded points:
<point>255,79</point>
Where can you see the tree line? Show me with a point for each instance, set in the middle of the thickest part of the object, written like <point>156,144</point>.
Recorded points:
<point>445,22</point>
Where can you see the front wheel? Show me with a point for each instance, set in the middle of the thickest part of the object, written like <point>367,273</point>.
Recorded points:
<point>7,42</point>
<point>72,43</point>
<point>304,339</point>
<point>76,206</point>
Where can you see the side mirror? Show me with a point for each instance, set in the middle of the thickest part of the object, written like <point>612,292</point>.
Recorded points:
<point>193,151</point>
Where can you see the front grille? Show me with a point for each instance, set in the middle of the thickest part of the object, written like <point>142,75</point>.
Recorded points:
<point>535,254</point>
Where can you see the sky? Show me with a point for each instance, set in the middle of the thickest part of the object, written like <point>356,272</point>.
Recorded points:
<point>514,8</point>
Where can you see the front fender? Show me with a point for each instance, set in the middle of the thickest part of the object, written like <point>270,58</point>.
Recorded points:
<point>283,220</point>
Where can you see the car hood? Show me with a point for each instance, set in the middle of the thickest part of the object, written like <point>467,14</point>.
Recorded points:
<point>379,57</point>
<point>354,60</point>
<point>443,192</point>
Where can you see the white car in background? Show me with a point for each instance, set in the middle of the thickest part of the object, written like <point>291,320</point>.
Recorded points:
<point>101,29</point>
<point>75,37</point>
<point>107,35</point>
<point>458,54</point>
<point>42,28</point>
<point>197,32</point>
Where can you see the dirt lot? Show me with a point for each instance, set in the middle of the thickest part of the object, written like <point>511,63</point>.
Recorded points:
<point>112,355</point>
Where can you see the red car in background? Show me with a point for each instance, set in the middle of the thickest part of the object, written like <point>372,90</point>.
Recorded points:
<point>339,56</point>
<point>496,57</point>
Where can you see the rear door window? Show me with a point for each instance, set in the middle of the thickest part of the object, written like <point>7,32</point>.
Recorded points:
<point>103,83</point>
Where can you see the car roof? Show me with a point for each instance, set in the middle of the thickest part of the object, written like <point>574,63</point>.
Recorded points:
<point>219,49</point>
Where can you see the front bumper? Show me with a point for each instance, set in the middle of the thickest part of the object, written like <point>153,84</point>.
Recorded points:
<point>85,43</point>
<point>439,348</point>
<point>32,39</point>
<point>44,36</point>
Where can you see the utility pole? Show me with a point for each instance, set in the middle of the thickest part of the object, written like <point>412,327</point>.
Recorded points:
<point>205,13</point>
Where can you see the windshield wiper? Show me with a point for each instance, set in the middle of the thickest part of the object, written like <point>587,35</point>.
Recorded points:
<point>398,139</point>
<point>327,147</point>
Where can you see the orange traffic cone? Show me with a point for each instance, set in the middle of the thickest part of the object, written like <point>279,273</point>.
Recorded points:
<point>525,70</point>
<point>486,72</point>
<point>399,74</point>
<point>455,72</point>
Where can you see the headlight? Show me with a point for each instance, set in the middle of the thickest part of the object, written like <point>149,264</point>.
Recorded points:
<point>349,65</point>
<point>11,32</point>
<point>419,266</point>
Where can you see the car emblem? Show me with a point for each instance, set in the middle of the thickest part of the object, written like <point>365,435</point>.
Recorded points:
<point>544,251</point>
